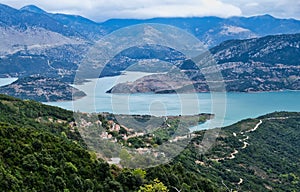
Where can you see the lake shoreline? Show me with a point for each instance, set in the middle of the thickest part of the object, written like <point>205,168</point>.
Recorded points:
<point>236,105</point>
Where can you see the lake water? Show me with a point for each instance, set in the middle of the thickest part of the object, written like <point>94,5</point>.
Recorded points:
<point>229,108</point>
<point>6,81</point>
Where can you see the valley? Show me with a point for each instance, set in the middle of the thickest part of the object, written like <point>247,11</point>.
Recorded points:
<point>266,61</point>
<point>167,96</point>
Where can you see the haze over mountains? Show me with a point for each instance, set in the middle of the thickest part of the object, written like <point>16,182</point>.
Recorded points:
<point>35,42</point>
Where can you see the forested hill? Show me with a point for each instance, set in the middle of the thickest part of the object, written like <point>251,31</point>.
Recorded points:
<point>259,154</point>
<point>41,151</point>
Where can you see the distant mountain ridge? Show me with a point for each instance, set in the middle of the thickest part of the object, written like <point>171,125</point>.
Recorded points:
<point>214,30</point>
<point>23,19</point>
<point>210,30</point>
<point>269,63</point>
<point>35,42</point>
<point>33,8</point>
<point>32,31</point>
<point>273,49</point>
<point>87,28</point>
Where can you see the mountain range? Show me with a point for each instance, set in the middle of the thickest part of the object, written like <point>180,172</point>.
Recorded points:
<point>268,63</point>
<point>46,148</point>
<point>210,30</point>
<point>35,42</point>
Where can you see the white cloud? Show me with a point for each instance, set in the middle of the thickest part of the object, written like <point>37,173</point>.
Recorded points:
<point>167,8</point>
<point>252,4</point>
<point>104,9</point>
<point>277,8</point>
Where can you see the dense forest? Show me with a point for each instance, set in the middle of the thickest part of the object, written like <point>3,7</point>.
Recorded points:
<point>41,151</point>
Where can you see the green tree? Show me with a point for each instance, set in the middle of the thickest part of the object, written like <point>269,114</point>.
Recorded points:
<point>125,157</point>
<point>156,186</point>
<point>140,173</point>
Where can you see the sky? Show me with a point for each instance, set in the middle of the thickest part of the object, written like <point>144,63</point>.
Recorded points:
<point>101,10</point>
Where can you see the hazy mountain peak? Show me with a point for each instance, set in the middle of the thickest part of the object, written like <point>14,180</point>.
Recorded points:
<point>33,8</point>
<point>266,16</point>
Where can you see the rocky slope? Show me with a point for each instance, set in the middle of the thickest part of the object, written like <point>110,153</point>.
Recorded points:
<point>35,42</point>
<point>64,39</point>
<point>269,63</point>
<point>42,89</point>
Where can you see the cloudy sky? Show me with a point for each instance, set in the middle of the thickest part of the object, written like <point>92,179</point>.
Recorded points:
<point>100,10</point>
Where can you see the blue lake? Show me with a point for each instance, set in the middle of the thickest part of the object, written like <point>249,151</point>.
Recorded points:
<point>6,81</point>
<point>228,107</point>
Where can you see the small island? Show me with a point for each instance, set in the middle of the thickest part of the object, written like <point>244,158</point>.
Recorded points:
<point>161,84</point>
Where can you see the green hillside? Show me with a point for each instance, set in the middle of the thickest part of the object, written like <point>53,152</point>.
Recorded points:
<point>41,151</point>
<point>260,154</point>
